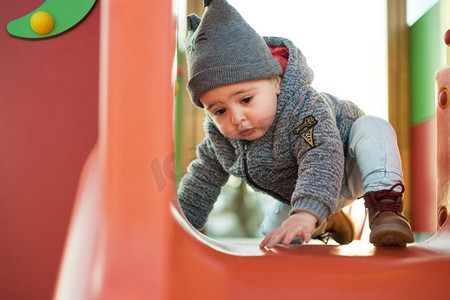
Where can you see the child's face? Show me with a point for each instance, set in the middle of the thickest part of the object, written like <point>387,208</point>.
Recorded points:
<point>243,111</point>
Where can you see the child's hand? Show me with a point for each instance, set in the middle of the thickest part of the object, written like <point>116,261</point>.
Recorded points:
<point>301,223</point>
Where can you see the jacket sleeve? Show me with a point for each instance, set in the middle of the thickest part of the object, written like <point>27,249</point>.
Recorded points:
<point>320,157</point>
<point>201,185</point>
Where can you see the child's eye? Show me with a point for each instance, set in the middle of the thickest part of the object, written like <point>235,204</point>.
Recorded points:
<point>219,112</point>
<point>247,99</point>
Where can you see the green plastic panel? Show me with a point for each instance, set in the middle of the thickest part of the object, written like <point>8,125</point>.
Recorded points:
<point>66,13</point>
<point>427,55</point>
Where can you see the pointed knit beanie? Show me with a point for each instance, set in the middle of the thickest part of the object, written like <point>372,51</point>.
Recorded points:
<point>222,49</point>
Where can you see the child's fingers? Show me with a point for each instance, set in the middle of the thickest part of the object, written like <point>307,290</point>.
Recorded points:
<point>266,240</point>
<point>277,237</point>
<point>289,236</point>
<point>306,237</point>
<point>273,238</point>
<point>285,235</point>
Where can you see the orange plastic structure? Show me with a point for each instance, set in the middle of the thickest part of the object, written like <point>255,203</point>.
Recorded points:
<point>443,143</point>
<point>128,239</point>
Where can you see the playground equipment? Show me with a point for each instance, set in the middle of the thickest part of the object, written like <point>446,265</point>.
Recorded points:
<point>128,238</point>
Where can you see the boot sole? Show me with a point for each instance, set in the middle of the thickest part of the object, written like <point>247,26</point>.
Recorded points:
<point>391,236</point>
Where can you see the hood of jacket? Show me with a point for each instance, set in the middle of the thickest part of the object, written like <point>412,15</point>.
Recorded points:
<point>297,74</point>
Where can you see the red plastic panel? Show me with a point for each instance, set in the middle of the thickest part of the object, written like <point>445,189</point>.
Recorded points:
<point>48,126</point>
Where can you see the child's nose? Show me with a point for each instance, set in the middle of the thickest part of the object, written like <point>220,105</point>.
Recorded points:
<point>237,117</point>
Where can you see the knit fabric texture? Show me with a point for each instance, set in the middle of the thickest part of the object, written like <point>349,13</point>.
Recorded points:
<point>222,49</point>
<point>299,161</point>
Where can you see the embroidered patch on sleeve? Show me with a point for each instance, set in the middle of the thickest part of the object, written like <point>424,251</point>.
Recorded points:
<point>308,135</point>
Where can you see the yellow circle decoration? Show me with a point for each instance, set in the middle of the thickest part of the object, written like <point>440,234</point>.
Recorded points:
<point>42,22</point>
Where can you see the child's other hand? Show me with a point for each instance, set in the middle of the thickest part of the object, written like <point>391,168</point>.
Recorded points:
<point>301,224</point>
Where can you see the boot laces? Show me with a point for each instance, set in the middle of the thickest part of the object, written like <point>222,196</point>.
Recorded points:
<point>373,199</point>
<point>324,237</point>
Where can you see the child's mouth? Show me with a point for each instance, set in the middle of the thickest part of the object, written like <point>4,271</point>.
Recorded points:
<point>247,132</point>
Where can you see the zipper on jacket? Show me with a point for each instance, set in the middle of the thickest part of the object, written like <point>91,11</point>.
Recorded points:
<point>250,180</point>
<point>244,158</point>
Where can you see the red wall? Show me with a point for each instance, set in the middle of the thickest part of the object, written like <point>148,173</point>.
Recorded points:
<point>48,125</point>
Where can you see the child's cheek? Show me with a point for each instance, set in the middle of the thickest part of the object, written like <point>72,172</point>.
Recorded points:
<point>224,129</point>
<point>219,125</point>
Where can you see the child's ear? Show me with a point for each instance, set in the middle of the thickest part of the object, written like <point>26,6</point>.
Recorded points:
<point>277,82</point>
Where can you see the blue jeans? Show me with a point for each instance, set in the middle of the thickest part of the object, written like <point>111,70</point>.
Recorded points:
<point>372,163</point>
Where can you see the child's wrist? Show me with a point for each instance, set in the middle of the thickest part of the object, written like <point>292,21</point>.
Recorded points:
<point>307,215</point>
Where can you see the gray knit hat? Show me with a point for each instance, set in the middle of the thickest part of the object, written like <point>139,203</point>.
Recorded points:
<point>223,49</point>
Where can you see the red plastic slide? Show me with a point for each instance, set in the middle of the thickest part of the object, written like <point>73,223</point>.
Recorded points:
<point>128,239</point>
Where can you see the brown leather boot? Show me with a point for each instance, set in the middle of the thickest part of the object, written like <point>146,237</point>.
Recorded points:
<point>341,228</point>
<point>389,227</point>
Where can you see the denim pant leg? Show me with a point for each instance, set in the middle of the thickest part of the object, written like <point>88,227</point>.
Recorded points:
<point>373,144</point>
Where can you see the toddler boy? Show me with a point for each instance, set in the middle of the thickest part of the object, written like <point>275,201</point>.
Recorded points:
<point>266,124</point>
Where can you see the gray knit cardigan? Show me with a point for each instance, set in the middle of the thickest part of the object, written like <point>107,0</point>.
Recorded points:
<point>299,161</point>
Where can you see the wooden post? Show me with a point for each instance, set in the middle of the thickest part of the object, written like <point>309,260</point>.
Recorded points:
<point>398,85</point>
